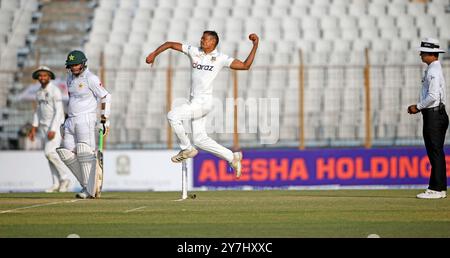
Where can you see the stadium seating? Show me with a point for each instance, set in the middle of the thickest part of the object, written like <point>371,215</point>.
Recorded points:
<point>332,35</point>
<point>15,27</point>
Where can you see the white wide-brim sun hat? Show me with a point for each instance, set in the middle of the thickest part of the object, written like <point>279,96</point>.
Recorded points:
<point>430,45</point>
<point>43,68</point>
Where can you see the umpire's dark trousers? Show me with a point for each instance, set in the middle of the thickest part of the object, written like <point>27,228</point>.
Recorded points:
<point>435,123</point>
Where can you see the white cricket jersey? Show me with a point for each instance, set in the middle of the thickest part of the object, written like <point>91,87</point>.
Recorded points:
<point>205,68</point>
<point>85,92</point>
<point>433,87</point>
<point>49,111</point>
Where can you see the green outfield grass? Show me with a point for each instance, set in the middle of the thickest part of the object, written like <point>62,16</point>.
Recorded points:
<point>322,213</point>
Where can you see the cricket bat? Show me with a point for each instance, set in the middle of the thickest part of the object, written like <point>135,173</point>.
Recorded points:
<point>99,168</point>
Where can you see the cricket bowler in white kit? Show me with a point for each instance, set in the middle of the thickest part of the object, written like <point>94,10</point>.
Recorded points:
<point>47,121</point>
<point>206,63</point>
<point>79,144</point>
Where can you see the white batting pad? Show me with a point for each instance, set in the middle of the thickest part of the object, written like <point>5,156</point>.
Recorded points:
<point>87,160</point>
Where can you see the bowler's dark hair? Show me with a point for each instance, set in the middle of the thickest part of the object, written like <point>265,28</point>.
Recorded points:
<point>214,34</point>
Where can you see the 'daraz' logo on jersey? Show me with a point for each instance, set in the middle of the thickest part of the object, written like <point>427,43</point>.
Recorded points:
<point>202,67</point>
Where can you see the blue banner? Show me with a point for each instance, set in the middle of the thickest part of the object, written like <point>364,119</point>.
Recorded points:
<point>319,167</point>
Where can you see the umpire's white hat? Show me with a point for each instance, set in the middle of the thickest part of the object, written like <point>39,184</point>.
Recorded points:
<point>430,45</point>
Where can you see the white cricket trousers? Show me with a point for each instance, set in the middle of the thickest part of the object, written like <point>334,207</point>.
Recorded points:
<point>196,111</point>
<point>58,169</point>
<point>80,129</point>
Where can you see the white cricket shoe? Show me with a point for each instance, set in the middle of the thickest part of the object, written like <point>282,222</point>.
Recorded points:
<point>52,189</point>
<point>184,154</point>
<point>64,186</point>
<point>431,194</point>
<point>83,194</point>
<point>236,164</point>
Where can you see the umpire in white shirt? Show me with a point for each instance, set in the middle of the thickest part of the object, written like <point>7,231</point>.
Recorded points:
<point>435,120</point>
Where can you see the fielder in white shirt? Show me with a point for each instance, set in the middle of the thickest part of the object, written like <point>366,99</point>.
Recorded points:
<point>206,63</point>
<point>47,121</point>
<point>79,144</point>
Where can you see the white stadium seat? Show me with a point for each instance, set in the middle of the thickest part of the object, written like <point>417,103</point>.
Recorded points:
<point>338,10</point>
<point>182,13</point>
<point>329,22</point>
<point>260,11</point>
<point>321,2</point>
<point>405,22</point>
<point>9,4</point>
<point>389,33</point>
<point>376,10</point>
<point>442,20</point>
<point>386,22</point>
<point>167,3</point>
<point>298,11</point>
<point>285,3</point>
<point>332,35</point>
<point>162,13</point>
<point>279,11</point>
<point>201,12</point>
<point>396,9</point>
<point>342,45</point>
<point>399,45</point>
<point>128,5</point>
<point>369,33</point>
<point>185,3</point>
<point>425,22</point>
<point>367,22</point>
<point>224,4</point>
<point>146,4</point>
<point>242,12</point>
<point>358,9</point>
<point>318,10</point>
